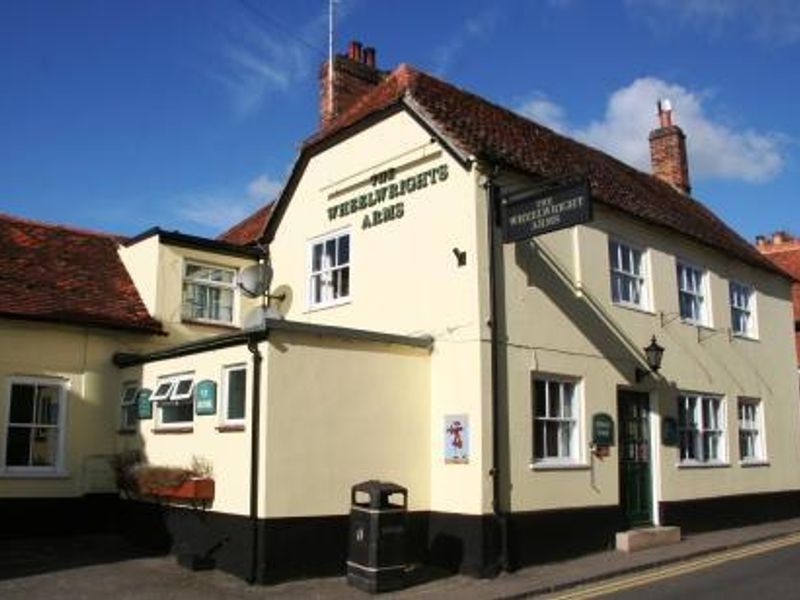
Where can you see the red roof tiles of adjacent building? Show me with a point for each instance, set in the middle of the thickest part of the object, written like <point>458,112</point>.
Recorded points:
<point>476,127</point>
<point>61,274</point>
<point>248,230</point>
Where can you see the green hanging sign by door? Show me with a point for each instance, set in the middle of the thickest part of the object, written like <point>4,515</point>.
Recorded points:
<point>602,430</point>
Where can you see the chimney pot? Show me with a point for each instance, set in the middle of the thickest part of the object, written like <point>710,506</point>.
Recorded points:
<point>354,51</point>
<point>665,112</point>
<point>369,56</point>
<point>778,237</point>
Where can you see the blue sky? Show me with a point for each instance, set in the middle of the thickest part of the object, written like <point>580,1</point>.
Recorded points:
<point>188,114</point>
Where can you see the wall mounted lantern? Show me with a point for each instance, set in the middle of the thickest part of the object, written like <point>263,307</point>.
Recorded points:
<point>653,354</point>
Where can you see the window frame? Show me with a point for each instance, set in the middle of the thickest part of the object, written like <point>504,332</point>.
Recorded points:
<point>757,429</point>
<point>576,456</point>
<point>643,277</point>
<point>311,273</point>
<point>701,429</point>
<point>58,469</point>
<point>124,405</point>
<point>232,286</point>
<point>170,399</point>
<point>703,294</point>
<point>225,419</point>
<point>750,310</point>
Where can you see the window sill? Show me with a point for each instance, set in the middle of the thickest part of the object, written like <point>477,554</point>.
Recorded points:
<point>33,474</point>
<point>634,308</point>
<point>697,324</point>
<point>127,432</point>
<point>163,430</point>
<point>702,465</point>
<point>558,466</point>
<point>228,427</point>
<point>327,305</point>
<point>753,463</point>
<point>744,337</point>
<point>217,324</point>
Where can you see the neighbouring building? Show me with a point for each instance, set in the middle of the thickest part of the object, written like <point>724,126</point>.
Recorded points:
<point>408,336</point>
<point>783,249</point>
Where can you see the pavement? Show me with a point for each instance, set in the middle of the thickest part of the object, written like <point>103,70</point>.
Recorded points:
<point>100,565</point>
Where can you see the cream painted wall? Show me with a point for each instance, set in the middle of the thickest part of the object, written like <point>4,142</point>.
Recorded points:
<point>82,358</point>
<point>227,451</point>
<point>561,320</point>
<point>404,279</point>
<point>340,412</point>
<point>157,270</point>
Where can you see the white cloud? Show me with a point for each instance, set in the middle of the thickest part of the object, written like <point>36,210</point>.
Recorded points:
<point>544,111</point>
<point>716,149</point>
<point>775,22</point>
<point>216,210</point>
<point>472,29</point>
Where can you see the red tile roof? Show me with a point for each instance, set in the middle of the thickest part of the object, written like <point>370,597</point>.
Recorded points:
<point>476,127</point>
<point>248,230</point>
<point>60,274</point>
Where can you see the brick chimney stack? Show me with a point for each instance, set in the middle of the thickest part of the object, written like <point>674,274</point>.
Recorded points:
<point>354,74</point>
<point>668,150</point>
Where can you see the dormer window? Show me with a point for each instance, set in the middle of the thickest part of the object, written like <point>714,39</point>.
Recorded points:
<point>208,293</point>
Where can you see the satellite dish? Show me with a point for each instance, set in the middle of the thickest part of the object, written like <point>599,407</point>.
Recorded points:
<point>254,318</point>
<point>270,312</point>
<point>281,299</point>
<point>255,279</point>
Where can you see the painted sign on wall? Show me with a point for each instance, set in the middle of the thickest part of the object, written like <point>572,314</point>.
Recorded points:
<point>456,439</point>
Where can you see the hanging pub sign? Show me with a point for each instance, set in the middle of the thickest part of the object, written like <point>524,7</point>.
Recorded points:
<point>602,430</point>
<point>546,210</point>
<point>205,397</point>
<point>144,408</point>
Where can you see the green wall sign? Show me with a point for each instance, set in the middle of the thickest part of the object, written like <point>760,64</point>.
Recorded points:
<point>602,430</point>
<point>205,397</point>
<point>144,407</point>
<point>669,431</point>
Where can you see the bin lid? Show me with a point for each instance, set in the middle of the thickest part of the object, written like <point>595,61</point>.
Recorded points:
<point>378,492</point>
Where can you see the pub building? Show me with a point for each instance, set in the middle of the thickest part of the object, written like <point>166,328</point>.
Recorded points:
<point>543,345</point>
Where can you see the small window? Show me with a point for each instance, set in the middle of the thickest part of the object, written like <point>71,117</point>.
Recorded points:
<point>751,438</point>
<point>234,393</point>
<point>175,400</point>
<point>34,439</point>
<point>628,276</point>
<point>329,277</point>
<point>555,421</point>
<point>701,427</point>
<point>742,310</point>
<point>692,294</point>
<point>208,293</point>
<point>129,410</point>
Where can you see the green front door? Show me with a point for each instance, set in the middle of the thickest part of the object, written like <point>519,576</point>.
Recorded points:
<point>635,488</point>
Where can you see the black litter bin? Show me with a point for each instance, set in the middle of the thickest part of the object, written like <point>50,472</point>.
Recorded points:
<point>377,552</point>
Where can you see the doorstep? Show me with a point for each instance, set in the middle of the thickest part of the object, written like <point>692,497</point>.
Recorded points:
<point>647,537</point>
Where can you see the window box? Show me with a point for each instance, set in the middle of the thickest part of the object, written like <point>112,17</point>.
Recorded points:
<point>172,482</point>
<point>194,488</point>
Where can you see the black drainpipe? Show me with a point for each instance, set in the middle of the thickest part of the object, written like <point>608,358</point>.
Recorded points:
<point>255,553</point>
<point>494,301</point>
